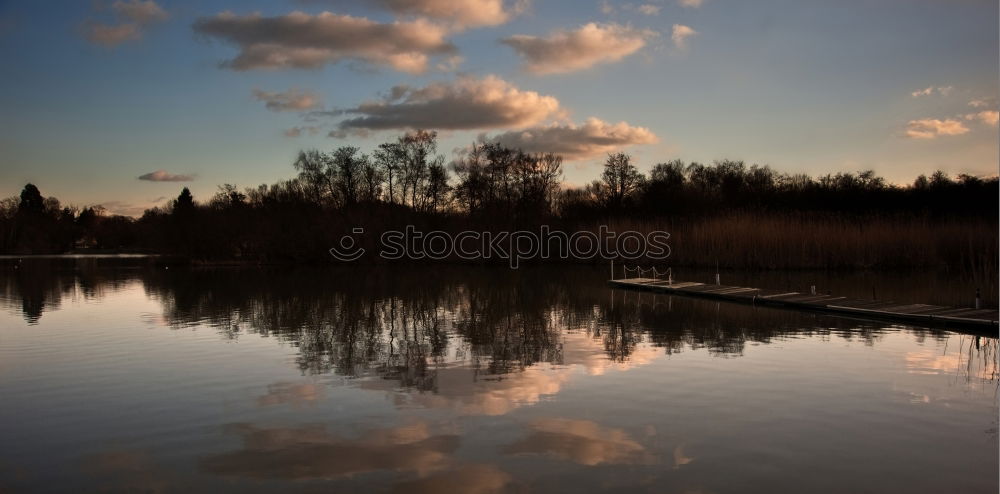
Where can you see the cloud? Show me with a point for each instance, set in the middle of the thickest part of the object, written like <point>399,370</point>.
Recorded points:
<point>290,100</point>
<point>131,18</point>
<point>142,12</point>
<point>690,3</point>
<point>594,138</point>
<point>648,9</point>
<point>982,103</point>
<point>930,128</point>
<point>457,13</point>
<point>988,117</point>
<point>680,35</point>
<point>298,131</point>
<point>303,41</point>
<point>464,104</point>
<point>568,51</point>
<point>163,176</point>
<point>929,90</point>
<point>111,35</point>
<point>451,63</point>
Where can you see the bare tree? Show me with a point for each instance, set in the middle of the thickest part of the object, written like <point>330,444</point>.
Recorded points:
<point>314,173</point>
<point>371,181</point>
<point>619,180</point>
<point>347,167</point>
<point>389,160</point>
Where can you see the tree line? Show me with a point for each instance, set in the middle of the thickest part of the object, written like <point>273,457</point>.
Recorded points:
<point>489,186</point>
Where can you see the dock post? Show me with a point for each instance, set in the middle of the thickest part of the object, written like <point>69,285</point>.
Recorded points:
<point>979,300</point>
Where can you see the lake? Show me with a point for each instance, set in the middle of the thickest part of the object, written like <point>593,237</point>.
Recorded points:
<point>121,375</point>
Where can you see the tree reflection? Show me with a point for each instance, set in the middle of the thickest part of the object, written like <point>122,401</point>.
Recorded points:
<point>405,325</point>
<point>34,286</point>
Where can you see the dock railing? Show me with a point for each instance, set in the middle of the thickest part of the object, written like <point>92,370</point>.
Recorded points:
<point>640,272</point>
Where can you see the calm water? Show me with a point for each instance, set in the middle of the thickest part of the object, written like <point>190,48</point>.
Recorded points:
<point>126,377</point>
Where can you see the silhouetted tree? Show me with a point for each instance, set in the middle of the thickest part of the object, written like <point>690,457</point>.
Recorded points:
<point>372,180</point>
<point>184,202</point>
<point>31,200</point>
<point>619,180</point>
<point>347,172</point>
<point>389,160</point>
<point>405,182</point>
<point>228,196</point>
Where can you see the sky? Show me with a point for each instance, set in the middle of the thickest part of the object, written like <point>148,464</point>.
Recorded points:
<point>124,102</point>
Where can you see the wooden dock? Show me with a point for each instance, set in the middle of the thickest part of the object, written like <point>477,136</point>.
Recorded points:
<point>921,314</point>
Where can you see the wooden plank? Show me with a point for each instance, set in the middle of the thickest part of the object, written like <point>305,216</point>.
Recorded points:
<point>746,291</point>
<point>780,295</point>
<point>703,288</point>
<point>685,284</point>
<point>981,314</point>
<point>928,309</point>
<point>853,301</point>
<point>877,309</point>
<point>953,312</point>
<point>866,304</point>
<point>906,309</point>
<point>723,290</point>
<point>808,298</point>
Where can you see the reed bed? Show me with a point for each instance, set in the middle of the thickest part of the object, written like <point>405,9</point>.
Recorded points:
<point>799,241</point>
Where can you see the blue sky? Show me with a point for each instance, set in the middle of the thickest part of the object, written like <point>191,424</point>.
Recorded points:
<point>98,93</point>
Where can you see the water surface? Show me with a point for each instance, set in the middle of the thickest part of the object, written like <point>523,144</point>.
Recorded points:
<point>118,376</point>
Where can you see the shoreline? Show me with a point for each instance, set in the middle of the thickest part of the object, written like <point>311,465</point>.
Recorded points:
<point>175,259</point>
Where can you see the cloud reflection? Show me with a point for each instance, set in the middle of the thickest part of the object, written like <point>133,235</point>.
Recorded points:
<point>312,452</point>
<point>469,479</point>
<point>125,470</point>
<point>464,389</point>
<point>296,395</point>
<point>975,358</point>
<point>583,442</point>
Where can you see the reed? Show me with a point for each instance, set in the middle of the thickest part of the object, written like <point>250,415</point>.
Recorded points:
<point>746,240</point>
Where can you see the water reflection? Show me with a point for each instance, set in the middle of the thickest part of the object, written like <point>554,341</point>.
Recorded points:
<point>421,380</point>
<point>413,326</point>
<point>974,359</point>
<point>294,394</point>
<point>124,470</point>
<point>416,327</point>
<point>312,452</point>
<point>472,479</point>
<point>581,441</point>
<point>33,287</point>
